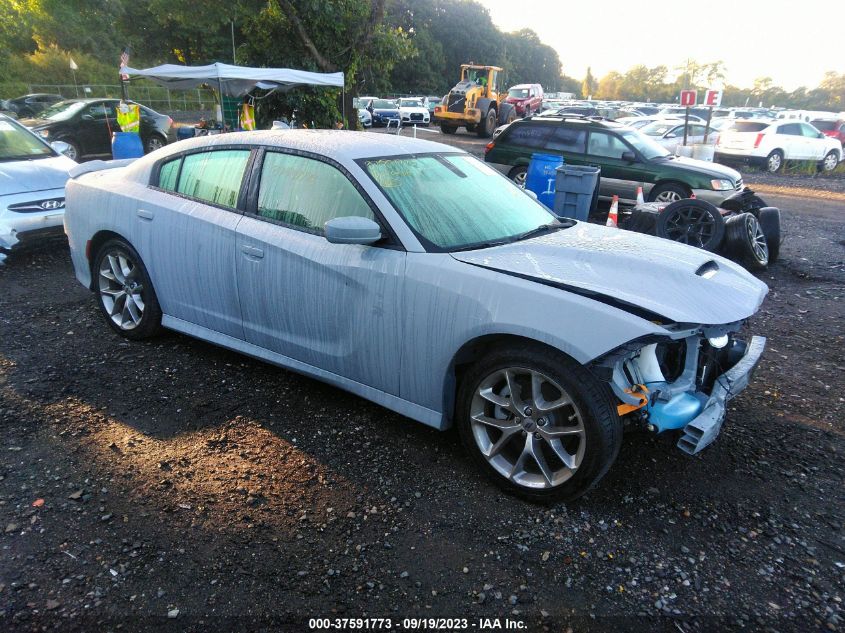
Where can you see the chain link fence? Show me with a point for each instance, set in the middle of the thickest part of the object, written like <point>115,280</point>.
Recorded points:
<point>158,98</point>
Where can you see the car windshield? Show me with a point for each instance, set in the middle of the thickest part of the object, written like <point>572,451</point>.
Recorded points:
<point>62,111</point>
<point>383,104</point>
<point>16,143</point>
<point>456,202</point>
<point>644,145</point>
<point>825,126</point>
<point>519,93</point>
<point>657,128</point>
<point>410,103</point>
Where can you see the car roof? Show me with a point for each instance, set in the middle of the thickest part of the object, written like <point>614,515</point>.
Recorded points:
<point>338,144</point>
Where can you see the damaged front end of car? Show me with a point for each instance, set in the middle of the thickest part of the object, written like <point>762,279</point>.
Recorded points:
<point>681,382</point>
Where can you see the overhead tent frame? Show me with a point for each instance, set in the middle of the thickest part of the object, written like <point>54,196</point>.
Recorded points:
<point>237,81</point>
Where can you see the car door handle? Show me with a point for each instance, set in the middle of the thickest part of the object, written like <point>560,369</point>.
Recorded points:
<point>252,251</point>
<point>145,215</point>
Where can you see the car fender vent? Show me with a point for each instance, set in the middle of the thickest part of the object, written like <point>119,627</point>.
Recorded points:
<point>707,269</point>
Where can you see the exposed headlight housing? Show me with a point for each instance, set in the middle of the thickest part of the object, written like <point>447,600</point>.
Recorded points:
<point>722,185</point>
<point>44,133</point>
<point>718,342</point>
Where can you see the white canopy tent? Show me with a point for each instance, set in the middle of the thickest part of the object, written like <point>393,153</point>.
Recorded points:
<point>234,81</point>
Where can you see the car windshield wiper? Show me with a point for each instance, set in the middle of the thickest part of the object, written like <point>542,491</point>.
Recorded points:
<point>543,228</point>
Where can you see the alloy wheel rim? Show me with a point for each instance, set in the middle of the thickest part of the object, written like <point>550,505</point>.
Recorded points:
<point>830,162</point>
<point>691,225</point>
<point>519,178</point>
<point>121,290</point>
<point>668,196</point>
<point>154,144</point>
<point>527,428</point>
<point>70,152</point>
<point>774,162</point>
<point>758,240</point>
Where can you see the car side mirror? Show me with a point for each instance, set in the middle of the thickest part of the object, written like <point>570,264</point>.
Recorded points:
<point>352,230</point>
<point>60,146</point>
<point>629,156</point>
<point>671,135</point>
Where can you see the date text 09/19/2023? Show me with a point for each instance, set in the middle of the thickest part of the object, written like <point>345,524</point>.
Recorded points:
<point>417,624</point>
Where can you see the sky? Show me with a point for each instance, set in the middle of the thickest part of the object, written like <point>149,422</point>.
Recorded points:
<point>794,43</point>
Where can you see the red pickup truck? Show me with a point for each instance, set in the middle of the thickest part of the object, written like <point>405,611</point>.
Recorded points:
<point>526,98</point>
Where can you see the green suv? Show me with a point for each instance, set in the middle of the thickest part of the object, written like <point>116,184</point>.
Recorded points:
<point>628,159</point>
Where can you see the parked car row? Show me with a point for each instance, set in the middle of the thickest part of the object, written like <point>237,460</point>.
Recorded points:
<point>405,110</point>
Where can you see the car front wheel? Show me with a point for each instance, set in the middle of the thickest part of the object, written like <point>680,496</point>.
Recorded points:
<point>154,142</point>
<point>539,425</point>
<point>125,293</point>
<point>518,175</point>
<point>73,151</point>
<point>830,161</point>
<point>668,192</point>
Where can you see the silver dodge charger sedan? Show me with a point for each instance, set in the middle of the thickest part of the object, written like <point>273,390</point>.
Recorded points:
<point>416,276</point>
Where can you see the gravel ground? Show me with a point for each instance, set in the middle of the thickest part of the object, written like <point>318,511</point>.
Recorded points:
<point>174,486</point>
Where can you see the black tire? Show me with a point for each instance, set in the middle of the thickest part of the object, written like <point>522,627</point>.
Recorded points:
<point>518,174</point>
<point>774,161</point>
<point>744,201</point>
<point>507,114</point>
<point>769,219</point>
<point>487,126</point>
<point>830,161</point>
<point>447,129</point>
<point>669,192</point>
<point>149,324</point>
<point>745,241</point>
<point>591,400</point>
<point>471,128</point>
<point>154,142</point>
<point>75,151</point>
<point>694,222</point>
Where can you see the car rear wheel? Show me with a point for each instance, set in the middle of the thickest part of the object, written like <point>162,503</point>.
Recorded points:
<point>830,161</point>
<point>746,242</point>
<point>774,161</point>
<point>769,219</point>
<point>694,222</point>
<point>518,175</point>
<point>668,192</point>
<point>125,293</point>
<point>537,423</point>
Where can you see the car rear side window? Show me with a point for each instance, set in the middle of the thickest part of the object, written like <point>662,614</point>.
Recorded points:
<point>792,129</point>
<point>568,139</point>
<point>214,176</point>
<point>748,126</point>
<point>168,173</point>
<point>530,135</point>
<point>306,193</point>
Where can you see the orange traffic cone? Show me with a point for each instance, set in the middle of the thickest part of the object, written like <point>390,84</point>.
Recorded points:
<point>613,215</point>
<point>640,197</point>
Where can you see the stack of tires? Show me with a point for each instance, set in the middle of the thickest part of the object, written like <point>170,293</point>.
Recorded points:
<point>744,229</point>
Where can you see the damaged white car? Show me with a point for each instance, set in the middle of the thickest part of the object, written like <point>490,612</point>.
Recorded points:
<point>419,278</point>
<point>32,185</point>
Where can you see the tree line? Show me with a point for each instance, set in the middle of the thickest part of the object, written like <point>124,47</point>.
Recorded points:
<point>382,46</point>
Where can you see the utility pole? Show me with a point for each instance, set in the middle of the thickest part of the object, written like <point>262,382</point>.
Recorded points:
<point>234,61</point>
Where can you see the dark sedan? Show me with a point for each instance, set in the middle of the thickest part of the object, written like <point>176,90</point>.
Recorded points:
<point>29,105</point>
<point>383,110</point>
<point>86,125</point>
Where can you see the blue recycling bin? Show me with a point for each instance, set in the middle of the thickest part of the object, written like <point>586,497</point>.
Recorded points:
<point>126,145</point>
<point>541,177</point>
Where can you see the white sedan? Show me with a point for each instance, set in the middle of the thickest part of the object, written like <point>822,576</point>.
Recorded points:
<point>414,112</point>
<point>670,133</point>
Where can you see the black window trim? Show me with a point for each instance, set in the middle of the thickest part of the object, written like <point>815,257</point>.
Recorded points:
<point>180,156</point>
<point>389,241</point>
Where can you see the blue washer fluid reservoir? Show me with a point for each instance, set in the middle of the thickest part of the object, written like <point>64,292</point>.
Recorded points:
<point>675,413</point>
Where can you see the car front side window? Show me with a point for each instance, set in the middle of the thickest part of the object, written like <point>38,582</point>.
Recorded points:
<point>213,176</point>
<point>607,145</point>
<point>306,193</point>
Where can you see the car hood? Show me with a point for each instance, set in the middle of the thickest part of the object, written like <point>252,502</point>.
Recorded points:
<point>712,170</point>
<point>37,174</point>
<point>637,273</point>
<point>35,123</point>
<point>413,109</point>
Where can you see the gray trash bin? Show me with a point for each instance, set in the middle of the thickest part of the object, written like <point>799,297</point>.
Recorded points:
<point>575,187</point>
